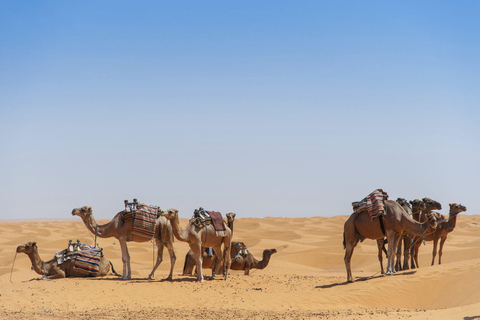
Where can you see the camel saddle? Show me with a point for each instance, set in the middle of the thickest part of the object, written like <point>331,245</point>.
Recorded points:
<point>85,258</point>
<point>201,218</point>
<point>373,204</point>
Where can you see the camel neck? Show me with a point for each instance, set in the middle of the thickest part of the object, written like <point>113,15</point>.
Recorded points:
<point>95,228</point>
<point>37,262</point>
<point>177,232</point>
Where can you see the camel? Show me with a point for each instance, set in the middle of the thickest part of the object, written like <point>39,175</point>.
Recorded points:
<point>409,240</point>
<point>122,230</point>
<point>198,237</point>
<point>422,217</point>
<point>52,270</point>
<point>249,262</point>
<point>210,261</point>
<point>445,226</point>
<point>360,226</point>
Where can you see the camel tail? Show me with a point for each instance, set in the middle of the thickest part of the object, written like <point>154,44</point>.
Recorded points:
<point>344,244</point>
<point>185,264</point>
<point>113,270</point>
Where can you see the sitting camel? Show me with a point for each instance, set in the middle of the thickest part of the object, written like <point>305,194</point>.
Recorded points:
<point>205,236</point>
<point>360,226</point>
<point>122,230</point>
<point>249,262</point>
<point>52,270</point>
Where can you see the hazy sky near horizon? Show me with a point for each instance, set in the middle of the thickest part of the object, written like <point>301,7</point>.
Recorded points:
<point>262,108</point>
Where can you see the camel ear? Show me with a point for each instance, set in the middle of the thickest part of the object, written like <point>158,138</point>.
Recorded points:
<point>34,244</point>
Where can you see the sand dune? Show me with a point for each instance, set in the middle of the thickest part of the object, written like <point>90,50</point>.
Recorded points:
<point>306,279</point>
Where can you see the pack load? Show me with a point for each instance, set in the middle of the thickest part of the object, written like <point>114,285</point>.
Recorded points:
<point>144,217</point>
<point>373,204</point>
<point>86,259</point>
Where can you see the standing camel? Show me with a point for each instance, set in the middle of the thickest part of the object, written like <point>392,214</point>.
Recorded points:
<point>122,230</point>
<point>205,236</point>
<point>360,226</point>
<point>409,242</point>
<point>422,217</point>
<point>445,226</point>
<point>52,270</point>
<point>210,261</point>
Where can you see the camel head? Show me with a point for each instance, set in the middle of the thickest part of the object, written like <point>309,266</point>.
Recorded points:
<point>82,212</point>
<point>456,208</point>
<point>231,216</point>
<point>269,252</point>
<point>418,205</point>
<point>431,204</point>
<point>28,247</point>
<point>402,202</point>
<point>170,213</point>
<point>432,221</point>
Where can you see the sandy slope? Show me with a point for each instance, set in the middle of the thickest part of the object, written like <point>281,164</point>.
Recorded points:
<point>305,279</point>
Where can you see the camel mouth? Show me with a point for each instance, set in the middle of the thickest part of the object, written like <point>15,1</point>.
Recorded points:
<point>20,249</point>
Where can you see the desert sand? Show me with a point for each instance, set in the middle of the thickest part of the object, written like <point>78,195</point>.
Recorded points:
<point>306,279</point>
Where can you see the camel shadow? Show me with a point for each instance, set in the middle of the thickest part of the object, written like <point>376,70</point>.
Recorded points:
<point>327,286</point>
<point>472,318</point>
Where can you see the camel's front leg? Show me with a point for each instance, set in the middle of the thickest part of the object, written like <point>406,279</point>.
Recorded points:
<point>392,238</point>
<point>173,258</point>
<point>127,272</point>
<point>159,258</point>
<point>434,252</point>
<point>197,254</point>
<point>440,252</point>
<point>406,252</point>
<point>227,259</point>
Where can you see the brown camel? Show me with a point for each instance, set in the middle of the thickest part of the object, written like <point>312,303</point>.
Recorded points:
<point>206,236</point>
<point>52,270</point>
<point>445,226</point>
<point>122,230</point>
<point>210,261</point>
<point>417,207</point>
<point>360,226</point>
<point>249,262</point>
<point>422,217</point>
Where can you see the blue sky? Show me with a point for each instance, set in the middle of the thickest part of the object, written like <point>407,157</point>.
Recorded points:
<point>263,108</point>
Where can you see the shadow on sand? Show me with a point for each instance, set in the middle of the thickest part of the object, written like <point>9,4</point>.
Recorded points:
<point>326,286</point>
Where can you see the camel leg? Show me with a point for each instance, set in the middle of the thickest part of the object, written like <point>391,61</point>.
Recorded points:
<point>127,272</point>
<point>173,259</point>
<point>398,262</point>
<point>417,248</point>
<point>227,259</point>
<point>406,252</point>
<point>392,238</point>
<point>349,246</point>
<point>219,261</point>
<point>380,244</point>
<point>434,253</point>
<point>197,254</point>
<point>440,252</point>
<point>159,258</point>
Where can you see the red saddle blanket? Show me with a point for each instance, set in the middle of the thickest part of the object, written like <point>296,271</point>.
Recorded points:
<point>217,220</point>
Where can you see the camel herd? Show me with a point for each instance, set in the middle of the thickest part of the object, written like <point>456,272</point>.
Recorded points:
<point>413,225</point>
<point>410,223</point>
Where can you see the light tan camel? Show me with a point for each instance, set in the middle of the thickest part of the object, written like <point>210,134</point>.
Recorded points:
<point>445,226</point>
<point>210,261</point>
<point>249,262</point>
<point>198,237</point>
<point>122,230</point>
<point>422,217</point>
<point>360,226</point>
<point>52,270</point>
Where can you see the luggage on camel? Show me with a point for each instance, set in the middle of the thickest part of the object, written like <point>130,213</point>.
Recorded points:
<point>373,204</point>
<point>144,216</point>
<point>85,258</point>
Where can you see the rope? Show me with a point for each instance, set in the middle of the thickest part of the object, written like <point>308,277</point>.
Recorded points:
<point>11,271</point>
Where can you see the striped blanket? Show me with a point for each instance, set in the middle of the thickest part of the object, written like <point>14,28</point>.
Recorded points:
<point>144,221</point>
<point>373,203</point>
<point>87,259</point>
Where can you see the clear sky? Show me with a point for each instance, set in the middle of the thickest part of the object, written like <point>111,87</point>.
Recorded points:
<point>262,108</point>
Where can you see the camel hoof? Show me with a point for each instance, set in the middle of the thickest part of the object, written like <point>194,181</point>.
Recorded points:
<point>350,281</point>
